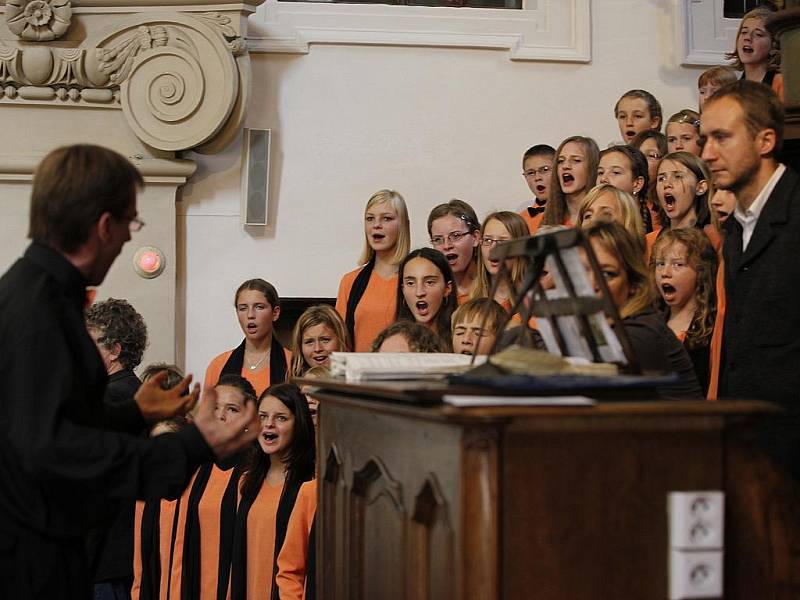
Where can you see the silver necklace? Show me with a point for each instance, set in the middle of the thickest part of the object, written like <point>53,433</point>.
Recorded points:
<point>254,366</point>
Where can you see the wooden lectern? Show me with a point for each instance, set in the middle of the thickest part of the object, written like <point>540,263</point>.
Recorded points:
<point>435,502</point>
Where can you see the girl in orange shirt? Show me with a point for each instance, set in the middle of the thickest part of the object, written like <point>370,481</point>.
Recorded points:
<point>260,358</point>
<point>425,291</point>
<point>683,186</point>
<point>757,53</point>
<point>499,227</point>
<point>456,233</point>
<point>318,332</point>
<point>272,488</point>
<point>366,298</point>
<point>206,514</point>
<point>576,168</point>
<point>684,272</point>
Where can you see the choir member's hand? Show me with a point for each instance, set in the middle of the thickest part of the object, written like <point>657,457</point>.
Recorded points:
<point>230,436</point>
<point>157,404</point>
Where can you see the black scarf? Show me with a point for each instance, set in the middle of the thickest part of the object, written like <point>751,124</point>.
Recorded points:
<point>150,580</point>
<point>239,566</point>
<point>356,292</point>
<point>277,362</point>
<point>190,579</point>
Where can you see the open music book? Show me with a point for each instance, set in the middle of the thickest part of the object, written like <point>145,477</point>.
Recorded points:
<point>370,366</point>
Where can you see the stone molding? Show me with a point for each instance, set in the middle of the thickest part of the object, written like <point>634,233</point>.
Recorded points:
<point>38,20</point>
<point>180,78</point>
<point>20,167</point>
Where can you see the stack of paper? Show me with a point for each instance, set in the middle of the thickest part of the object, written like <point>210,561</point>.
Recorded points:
<point>368,366</point>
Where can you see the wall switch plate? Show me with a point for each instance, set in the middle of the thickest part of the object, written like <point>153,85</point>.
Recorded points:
<point>696,520</point>
<point>695,574</point>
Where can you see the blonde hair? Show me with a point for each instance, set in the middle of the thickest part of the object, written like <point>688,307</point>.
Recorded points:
<point>687,115</point>
<point>616,240</point>
<point>703,259</point>
<point>485,309</point>
<point>556,209</point>
<point>396,201</point>
<point>760,12</point>
<point>517,228</point>
<point>631,219</point>
<point>320,314</point>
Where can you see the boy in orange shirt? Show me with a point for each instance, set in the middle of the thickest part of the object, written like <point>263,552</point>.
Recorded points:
<point>537,168</point>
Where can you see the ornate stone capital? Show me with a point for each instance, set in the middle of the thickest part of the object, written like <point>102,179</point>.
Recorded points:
<point>181,79</point>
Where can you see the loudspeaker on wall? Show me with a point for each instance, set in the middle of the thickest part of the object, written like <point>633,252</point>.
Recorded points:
<point>255,176</point>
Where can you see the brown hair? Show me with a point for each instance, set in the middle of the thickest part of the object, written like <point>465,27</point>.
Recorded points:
<point>760,12</point>
<point>320,314</point>
<point>118,322</point>
<point>761,107</point>
<point>699,169</point>
<point>418,337</point>
<point>556,208</point>
<point>73,187</point>
<point>653,105</point>
<point>616,239</point>
<point>259,285</point>
<point>718,76</point>
<point>703,259</point>
<point>458,209</point>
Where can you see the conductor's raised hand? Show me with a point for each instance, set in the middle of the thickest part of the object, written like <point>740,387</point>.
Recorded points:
<point>230,436</point>
<point>157,404</point>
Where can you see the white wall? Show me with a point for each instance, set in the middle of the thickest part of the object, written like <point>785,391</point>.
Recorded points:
<point>431,123</point>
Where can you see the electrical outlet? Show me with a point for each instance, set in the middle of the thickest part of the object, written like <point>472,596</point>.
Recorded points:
<point>695,574</point>
<point>696,520</point>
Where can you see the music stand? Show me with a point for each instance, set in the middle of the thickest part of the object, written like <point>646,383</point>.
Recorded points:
<point>535,250</point>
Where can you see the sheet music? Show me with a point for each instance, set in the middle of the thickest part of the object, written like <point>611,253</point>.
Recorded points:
<point>363,366</point>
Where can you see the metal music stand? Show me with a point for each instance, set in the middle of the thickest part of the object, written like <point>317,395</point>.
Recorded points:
<point>535,250</point>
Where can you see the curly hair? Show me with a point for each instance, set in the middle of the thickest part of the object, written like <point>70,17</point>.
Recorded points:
<point>702,259</point>
<point>117,322</point>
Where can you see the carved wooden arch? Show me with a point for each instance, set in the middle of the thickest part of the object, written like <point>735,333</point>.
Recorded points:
<point>377,528</point>
<point>430,550</point>
<point>333,466</point>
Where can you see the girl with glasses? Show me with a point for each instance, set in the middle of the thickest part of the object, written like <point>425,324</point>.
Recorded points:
<point>455,232</point>
<point>499,227</point>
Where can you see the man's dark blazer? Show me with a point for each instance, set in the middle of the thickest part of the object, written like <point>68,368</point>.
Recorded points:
<point>761,335</point>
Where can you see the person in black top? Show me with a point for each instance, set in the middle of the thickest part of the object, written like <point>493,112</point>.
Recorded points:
<point>656,348</point>
<point>120,334</point>
<point>60,461</point>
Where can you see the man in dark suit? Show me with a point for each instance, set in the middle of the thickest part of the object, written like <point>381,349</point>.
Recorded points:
<point>743,126</point>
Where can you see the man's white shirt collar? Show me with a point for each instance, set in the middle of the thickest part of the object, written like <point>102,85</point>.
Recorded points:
<point>748,218</point>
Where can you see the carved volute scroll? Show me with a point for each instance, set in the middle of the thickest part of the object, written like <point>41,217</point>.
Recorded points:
<point>177,76</point>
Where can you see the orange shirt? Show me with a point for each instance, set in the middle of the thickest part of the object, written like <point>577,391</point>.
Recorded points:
<point>376,310</point>
<point>166,516</point>
<point>259,379</point>
<point>261,541</point>
<point>208,512</point>
<point>293,558</point>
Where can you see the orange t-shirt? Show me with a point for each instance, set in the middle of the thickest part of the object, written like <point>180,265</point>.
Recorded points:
<point>261,541</point>
<point>259,379</point>
<point>376,310</point>
<point>208,512</point>
<point>293,557</point>
<point>166,516</point>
